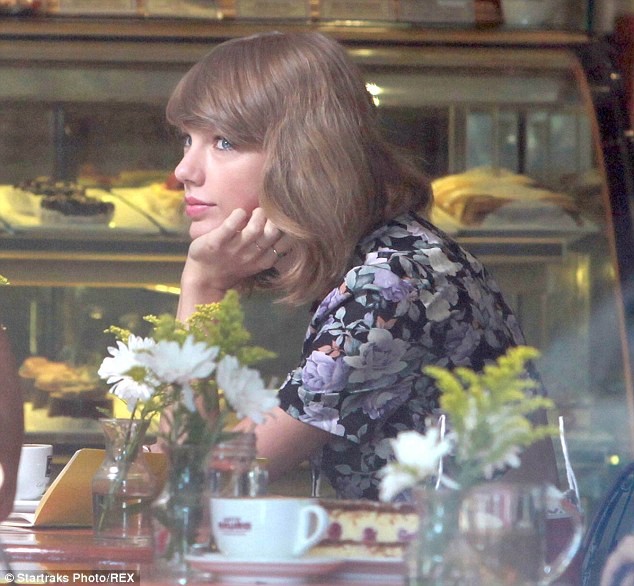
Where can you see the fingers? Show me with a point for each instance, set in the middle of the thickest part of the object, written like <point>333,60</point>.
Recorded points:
<point>281,246</point>
<point>266,237</point>
<point>246,244</point>
<point>235,223</point>
<point>258,229</point>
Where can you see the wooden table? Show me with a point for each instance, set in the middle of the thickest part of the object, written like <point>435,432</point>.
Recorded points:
<point>32,553</point>
<point>65,551</point>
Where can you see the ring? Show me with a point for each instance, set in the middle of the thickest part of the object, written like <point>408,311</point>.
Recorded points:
<point>278,254</point>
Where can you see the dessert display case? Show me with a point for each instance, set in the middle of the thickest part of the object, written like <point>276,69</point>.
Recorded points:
<point>524,132</point>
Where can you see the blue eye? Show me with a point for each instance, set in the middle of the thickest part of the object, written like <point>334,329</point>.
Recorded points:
<point>186,140</point>
<point>223,144</point>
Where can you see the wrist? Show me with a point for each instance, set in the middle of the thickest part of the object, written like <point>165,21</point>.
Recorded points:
<point>201,291</point>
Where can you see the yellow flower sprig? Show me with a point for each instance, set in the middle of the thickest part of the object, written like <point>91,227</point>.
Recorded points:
<point>487,412</point>
<point>4,280</point>
<point>217,324</point>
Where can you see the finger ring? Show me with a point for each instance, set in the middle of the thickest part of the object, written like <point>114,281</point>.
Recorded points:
<point>278,254</point>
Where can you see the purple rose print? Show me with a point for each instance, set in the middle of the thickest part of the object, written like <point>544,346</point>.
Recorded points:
<point>325,418</point>
<point>392,287</point>
<point>323,374</point>
<point>379,356</point>
<point>334,298</point>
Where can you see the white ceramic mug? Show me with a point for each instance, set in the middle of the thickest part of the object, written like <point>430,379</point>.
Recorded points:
<point>266,528</point>
<point>34,471</point>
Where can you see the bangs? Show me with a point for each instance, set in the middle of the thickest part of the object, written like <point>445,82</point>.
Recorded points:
<point>211,97</point>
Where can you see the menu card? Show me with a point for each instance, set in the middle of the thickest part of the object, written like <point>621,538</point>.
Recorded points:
<point>68,500</point>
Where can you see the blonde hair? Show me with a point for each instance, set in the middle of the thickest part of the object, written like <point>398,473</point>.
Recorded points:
<point>330,175</point>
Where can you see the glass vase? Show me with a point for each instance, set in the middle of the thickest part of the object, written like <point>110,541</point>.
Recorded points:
<point>123,487</point>
<point>439,556</point>
<point>493,534</point>
<point>181,512</point>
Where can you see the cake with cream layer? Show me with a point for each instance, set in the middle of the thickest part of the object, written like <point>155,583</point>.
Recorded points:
<point>362,528</point>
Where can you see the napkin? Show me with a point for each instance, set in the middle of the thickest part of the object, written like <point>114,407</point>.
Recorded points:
<point>68,500</point>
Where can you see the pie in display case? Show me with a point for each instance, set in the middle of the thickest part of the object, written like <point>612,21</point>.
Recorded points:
<point>523,132</point>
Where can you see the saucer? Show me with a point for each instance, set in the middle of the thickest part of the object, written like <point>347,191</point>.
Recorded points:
<point>283,571</point>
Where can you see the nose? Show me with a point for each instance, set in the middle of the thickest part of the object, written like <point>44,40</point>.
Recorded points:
<point>188,172</point>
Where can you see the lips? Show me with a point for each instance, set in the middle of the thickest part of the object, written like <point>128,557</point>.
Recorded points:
<point>195,207</point>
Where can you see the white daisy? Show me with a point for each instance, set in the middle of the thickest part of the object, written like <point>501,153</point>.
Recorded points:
<point>244,389</point>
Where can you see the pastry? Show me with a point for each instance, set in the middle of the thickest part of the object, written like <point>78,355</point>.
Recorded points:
<point>75,208</point>
<point>59,201</point>
<point>471,196</point>
<point>367,529</point>
<point>25,197</point>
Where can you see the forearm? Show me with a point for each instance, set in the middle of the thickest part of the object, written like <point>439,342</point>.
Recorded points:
<point>284,441</point>
<point>196,292</point>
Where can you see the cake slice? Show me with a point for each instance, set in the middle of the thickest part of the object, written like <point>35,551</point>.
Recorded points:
<point>367,529</point>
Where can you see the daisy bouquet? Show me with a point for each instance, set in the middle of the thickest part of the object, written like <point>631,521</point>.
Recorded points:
<point>487,426</point>
<point>192,374</point>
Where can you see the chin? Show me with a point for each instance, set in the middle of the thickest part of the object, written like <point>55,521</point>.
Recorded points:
<point>197,229</point>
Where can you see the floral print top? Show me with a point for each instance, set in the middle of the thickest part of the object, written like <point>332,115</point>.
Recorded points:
<point>412,298</point>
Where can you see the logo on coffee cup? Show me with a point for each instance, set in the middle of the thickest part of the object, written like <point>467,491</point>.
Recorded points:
<point>234,526</point>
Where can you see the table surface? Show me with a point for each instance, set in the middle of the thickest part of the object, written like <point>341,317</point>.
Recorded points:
<point>31,550</point>
<point>31,553</point>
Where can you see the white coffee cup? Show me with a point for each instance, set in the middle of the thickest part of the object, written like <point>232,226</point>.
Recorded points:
<point>34,471</point>
<point>267,528</point>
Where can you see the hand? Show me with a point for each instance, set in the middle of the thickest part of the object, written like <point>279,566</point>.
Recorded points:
<point>224,257</point>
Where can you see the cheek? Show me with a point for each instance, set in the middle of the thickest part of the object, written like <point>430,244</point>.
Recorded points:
<point>251,201</point>
<point>248,189</point>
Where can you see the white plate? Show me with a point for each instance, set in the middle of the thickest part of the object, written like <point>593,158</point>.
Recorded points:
<point>21,506</point>
<point>286,571</point>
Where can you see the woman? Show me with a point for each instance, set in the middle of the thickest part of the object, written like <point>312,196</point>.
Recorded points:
<point>290,185</point>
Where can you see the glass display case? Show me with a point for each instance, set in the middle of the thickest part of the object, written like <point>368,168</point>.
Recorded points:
<point>524,133</point>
